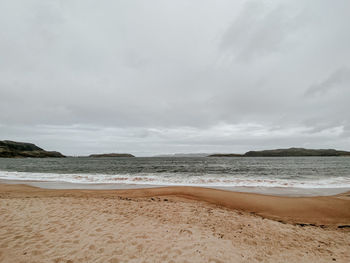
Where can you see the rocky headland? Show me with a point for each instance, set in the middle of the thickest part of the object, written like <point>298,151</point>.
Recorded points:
<point>11,149</point>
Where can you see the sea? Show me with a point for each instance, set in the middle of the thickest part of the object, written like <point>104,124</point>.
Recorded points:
<point>247,173</point>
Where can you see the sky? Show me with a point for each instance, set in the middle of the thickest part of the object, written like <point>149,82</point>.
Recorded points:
<point>160,76</point>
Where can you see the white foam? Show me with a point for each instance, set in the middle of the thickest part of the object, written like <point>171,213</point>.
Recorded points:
<point>211,180</point>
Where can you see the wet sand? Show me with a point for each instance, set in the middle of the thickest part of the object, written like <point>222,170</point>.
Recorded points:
<point>171,224</point>
<point>279,191</point>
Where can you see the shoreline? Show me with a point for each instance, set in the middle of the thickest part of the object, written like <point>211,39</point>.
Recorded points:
<point>319,210</point>
<point>277,191</point>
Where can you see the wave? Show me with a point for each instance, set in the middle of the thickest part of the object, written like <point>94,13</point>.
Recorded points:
<point>174,179</point>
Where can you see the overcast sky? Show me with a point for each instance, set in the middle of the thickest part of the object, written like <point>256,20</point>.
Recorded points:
<point>152,77</point>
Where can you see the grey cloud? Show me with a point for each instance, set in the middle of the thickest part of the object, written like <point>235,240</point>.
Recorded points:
<point>259,30</point>
<point>336,80</point>
<point>171,76</point>
<point>147,141</point>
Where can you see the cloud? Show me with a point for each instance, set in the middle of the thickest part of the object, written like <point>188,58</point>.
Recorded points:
<point>174,76</point>
<point>259,30</point>
<point>143,141</point>
<point>336,80</point>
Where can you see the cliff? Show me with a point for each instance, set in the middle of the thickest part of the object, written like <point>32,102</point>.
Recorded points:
<point>11,149</point>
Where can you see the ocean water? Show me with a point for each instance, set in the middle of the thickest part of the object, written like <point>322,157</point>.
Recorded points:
<point>299,172</point>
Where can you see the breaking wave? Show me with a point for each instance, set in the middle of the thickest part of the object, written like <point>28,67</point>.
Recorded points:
<point>176,179</point>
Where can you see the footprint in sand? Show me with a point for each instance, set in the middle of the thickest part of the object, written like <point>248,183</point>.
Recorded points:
<point>185,231</point>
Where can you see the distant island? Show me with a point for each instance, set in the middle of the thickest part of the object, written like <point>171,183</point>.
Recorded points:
<point>11,149</point>
<point>183,155</point>
<point>226,155</point>
<point>286,153</point>
<point>111,155</point>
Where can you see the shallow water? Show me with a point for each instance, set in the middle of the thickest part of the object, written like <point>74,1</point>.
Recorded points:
<point>297,172</point>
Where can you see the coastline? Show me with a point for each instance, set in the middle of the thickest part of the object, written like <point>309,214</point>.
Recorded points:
<point>277,191</point>
<point>317,210</point>
<point>170,224</point>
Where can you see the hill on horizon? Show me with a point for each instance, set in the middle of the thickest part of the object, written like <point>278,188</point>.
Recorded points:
<point>12,149</point>
<point>290,152</point>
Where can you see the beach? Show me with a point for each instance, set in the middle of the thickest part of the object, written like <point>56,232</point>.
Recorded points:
<point>174,131</point>
<point>170,224</point>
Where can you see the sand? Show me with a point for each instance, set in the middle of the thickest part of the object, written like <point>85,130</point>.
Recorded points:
<point>173,224</point>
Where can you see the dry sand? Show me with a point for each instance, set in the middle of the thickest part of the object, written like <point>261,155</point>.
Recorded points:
<point>173,224</point>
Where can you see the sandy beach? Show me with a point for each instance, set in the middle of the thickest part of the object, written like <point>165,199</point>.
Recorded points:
<point>171,224</point>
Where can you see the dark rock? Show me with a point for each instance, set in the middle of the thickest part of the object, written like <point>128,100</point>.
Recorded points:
<point>11,149</point>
